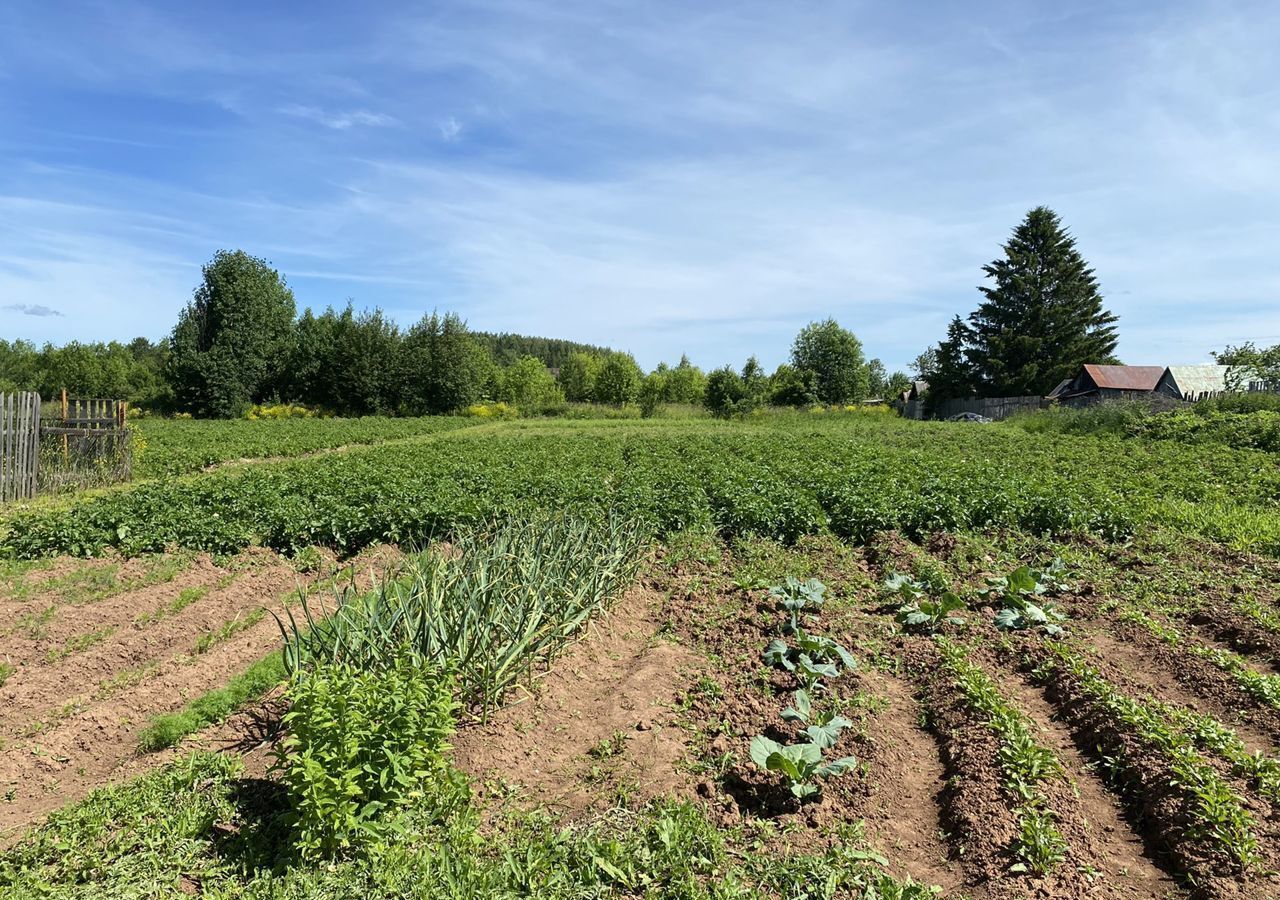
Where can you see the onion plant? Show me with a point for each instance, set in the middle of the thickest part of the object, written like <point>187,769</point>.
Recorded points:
<point>497,603</point>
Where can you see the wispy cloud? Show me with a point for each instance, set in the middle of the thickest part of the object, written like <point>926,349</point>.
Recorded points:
<point>337,120</point>
<point>450,129</point>
<point>664,176</point>
<point>33,309</point>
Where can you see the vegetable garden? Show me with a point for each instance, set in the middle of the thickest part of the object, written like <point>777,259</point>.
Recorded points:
<point>785,657</point>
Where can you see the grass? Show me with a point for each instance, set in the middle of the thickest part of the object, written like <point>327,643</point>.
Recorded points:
<point>152,837</point>
<point>6,670</point>
<point>167,730</point>
<point>228,630</point>
<point>79,643</point>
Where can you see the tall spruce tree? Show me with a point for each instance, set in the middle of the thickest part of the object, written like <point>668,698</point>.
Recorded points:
<point>945,368</point>
<point>1042,318</point>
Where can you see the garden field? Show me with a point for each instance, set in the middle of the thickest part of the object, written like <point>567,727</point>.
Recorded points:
<point>182,446</point>
<point>793,656</point>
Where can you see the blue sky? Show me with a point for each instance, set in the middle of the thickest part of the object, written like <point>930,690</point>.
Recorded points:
<point>661,177</point>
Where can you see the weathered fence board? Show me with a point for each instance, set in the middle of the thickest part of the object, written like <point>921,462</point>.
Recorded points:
<point>19,445</point>
<point>991,407</point>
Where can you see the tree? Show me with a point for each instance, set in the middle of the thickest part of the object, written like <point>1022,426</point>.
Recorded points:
<point>1251,363</point>
<point>441,368</point>
<point>898,382</point>
<point>652,392</point>
<point>951,375</point>
<point>233,338</point>
<point>924,363</point>
<point>1042,317</point>
<point>790,387</point>
<point>619,380</point>
<point>877,380</point>
<point>363,366</point>
<point>578,376</point>
<point>755,385</point>
<point>529,385</point>
<point>830,358</point>
<point>686,383</point>
<point>724,392</point>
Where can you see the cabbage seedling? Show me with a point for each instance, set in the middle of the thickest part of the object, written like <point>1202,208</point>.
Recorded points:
<point>800,764</point>
<point>824,727</point>
<point>813,657</point>
<point>796,596</point>
<point>908,587</point>
<point>928,616</point>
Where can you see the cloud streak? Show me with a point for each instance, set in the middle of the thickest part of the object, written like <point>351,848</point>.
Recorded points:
<point>659,176</point>
<point>33,309</point>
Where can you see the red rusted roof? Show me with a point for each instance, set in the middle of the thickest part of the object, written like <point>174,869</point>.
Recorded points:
<point>1126,378</point>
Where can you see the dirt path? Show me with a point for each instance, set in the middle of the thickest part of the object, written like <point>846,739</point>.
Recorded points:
<point>600,721</point>
<point>906,778</point>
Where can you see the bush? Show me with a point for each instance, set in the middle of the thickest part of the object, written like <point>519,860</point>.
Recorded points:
<point>497,410</point>
<point>1256,431</point>
<point>361,745</point>
<point>1254,401</point>
<point>1115,418</point>
<point>280,411</point>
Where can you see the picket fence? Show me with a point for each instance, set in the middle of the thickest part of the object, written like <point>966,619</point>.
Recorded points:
<point>19,445</point>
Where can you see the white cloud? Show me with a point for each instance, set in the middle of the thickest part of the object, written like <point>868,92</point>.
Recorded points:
<point>674,177</point>
<point>450,129</point>
<point>337,120</point>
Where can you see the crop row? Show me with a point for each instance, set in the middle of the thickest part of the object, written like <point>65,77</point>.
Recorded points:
<point>1024,762</point>
<point>1162,766</point>
<point>1261,687</point>
<point>180,446</point>
<point>774,482</point>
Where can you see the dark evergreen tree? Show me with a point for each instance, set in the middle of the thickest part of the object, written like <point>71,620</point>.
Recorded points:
<point>951,375</point>
<point>1042,317</point>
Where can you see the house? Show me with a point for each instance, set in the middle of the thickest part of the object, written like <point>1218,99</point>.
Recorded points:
<point>1093,384</point>
<point>1193,382</point>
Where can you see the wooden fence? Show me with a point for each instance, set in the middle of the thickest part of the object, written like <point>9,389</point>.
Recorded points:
<point>51,447</point>
<point>19,446</point>
<point>86,444</point>
<point>991,407</point>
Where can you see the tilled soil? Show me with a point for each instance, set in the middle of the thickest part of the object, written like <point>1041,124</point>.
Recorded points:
<point>599,725</point>
<point>70,719</point>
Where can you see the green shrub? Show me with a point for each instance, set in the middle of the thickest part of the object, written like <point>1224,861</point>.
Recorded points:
<point>362,744</point>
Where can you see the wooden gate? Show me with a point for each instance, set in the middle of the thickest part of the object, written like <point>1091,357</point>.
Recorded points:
<point>19,445</point>
<point>87,444</point>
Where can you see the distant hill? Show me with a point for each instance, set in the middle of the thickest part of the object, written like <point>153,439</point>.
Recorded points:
<point>507,348</point>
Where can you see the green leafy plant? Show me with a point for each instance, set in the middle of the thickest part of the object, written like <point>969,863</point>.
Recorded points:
<point>823,726</point>
<point>505,598</point>
<point>796,597</point>
<point>927,616</point>
<point>1023,604</point>
<point>812,657</point>
<point>801,764</point>
<point>361,744</point>
<point>910,589</point>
